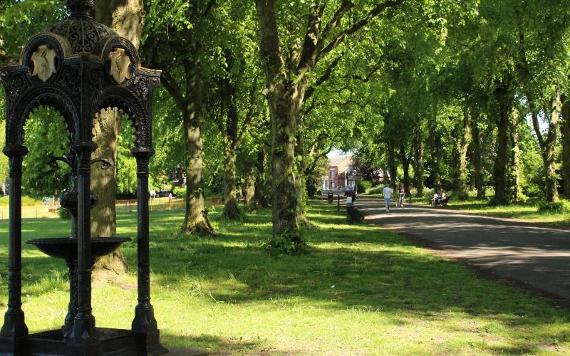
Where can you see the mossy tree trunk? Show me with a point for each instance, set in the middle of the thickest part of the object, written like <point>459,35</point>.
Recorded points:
<point>184,86</point>
<point>126,18</point>
<point>283,99</point>
<point>233,126</point>
<point>301,174</point>
<point>195,216</point>
<point>405,159</point>
<point>261,181</point>
<point>503,102</point>
<point>565,129</point>
<point>549,150</point>
<point>231,141</point>
<point>231,207</point>
<point>419,162</point>
<point>104,187</point>
<point>477,153</point>
<point>547,143</point>
<point>435,151</point>
<point>287,81</point>
<point>249,189</point>
<point>462,136</point>
<point>514,175</point>
<point>391,157</point>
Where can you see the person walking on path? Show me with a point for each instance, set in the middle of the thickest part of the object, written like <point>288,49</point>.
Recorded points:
<point>387,192</point>
<point>402,196</point>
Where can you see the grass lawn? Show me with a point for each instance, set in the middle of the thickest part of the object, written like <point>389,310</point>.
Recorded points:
<point>358,290</point>
<point>528,212</point>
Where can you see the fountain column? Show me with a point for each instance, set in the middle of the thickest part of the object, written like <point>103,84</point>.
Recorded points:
<point>144,324</point>
<point>14,321</point>
<point>84,324</point>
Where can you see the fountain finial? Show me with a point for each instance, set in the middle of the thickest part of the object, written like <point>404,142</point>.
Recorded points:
<point>81,8</point>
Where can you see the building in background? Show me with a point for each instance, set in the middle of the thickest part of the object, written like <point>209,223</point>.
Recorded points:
<point>340,174</point>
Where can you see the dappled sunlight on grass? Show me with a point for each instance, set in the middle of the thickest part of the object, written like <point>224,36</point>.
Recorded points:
<point>524,212</point>
<point>356,290</point>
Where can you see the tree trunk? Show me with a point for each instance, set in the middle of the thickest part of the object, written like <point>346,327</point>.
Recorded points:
<point>565,128</point>
<point>549,151</point>
<point>548,144</point>
<point>126,18</point>
<point>477,154</point>
<point>104,187</point>
<point>503,105</point>
<point>462,145</point>
<point>515,163</point>
<point>301,181</point>
<point>435,149</point>
<point>260,197</point>
<point>391,156</point>
<point>300,177</point>
<point>231,207</point>
<point>284,99</point>
<point>406,168</point>
<point>285,193</point>
<point>419,163</point>
<point>195,217</point>
<point>250,189</point>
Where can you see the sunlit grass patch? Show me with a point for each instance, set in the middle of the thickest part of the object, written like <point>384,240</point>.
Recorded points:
<point>356,290</point>
<point>528,212</point>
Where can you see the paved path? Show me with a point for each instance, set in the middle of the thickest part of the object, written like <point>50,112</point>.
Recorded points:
<point>537,257</point>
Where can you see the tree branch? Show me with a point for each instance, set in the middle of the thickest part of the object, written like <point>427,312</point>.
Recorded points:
<point>250,113</point>
<point>367,77</point>
<point>358,25</point>
<point>323,78</point>
<point>209,7</point>
<point>174,90</point>
<point>270,51</point>
<point>311,168</point>
<point>337,17</point>
<point>310,44</point>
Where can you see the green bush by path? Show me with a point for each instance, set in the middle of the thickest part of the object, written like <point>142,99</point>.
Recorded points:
<point>559,207</point>
<point>357,290</point>
<point>363,186</point>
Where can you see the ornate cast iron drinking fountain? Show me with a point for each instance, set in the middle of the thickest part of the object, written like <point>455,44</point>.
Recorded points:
<point>79,67</point>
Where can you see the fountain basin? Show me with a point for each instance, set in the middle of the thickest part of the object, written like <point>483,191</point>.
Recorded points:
<point>66,248</point>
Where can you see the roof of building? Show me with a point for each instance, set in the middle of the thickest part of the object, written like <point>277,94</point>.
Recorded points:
<point>343,163</point>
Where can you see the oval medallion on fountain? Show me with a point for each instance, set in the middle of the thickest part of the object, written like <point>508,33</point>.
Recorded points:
<point>43,60</point>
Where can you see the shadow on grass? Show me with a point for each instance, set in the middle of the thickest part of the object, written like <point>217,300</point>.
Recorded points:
<point>179,345</point>
<point>346,267</point>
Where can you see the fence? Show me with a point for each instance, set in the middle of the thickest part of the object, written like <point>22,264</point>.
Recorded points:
<point>40,211</point>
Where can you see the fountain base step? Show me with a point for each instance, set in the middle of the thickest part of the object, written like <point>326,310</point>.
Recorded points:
<point>112,342</point>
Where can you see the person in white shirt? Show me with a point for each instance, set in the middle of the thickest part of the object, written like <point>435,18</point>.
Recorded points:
<point>387,192</point>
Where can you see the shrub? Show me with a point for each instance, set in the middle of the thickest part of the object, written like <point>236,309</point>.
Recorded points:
<point>63,213</point>
<point>562,206</point>
<point>363,186</point>
<point>179,192</point>
<point>376,190</point>
<point>428,194</point>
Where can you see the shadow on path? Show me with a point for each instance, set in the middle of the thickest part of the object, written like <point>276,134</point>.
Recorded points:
<point>537,257</point>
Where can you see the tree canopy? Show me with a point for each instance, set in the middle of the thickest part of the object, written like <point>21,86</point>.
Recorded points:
<point>466,96</point>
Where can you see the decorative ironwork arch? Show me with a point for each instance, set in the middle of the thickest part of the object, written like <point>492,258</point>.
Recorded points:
<point>132,106</point>
<point>35,98</point>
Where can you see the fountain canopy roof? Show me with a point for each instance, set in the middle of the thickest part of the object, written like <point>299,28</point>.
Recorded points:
<point>83,35</point>
<point>79,66</point>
